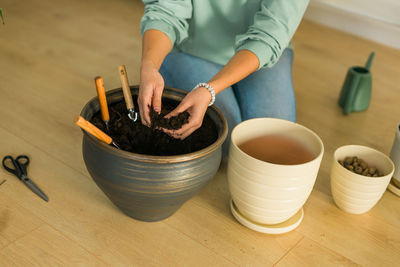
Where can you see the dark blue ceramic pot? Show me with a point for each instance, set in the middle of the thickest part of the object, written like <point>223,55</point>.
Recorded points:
<point>150,188</point>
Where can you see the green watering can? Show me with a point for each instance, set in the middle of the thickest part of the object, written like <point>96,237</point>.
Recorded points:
<point>1,15</point>
<point>356,90</point>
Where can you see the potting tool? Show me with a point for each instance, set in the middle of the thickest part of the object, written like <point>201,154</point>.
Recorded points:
<point>101,93</point>
<point>93,130</point>
<point>132,114</point>
<point>19,169</point>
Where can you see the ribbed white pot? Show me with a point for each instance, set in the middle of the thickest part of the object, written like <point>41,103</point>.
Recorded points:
<point>356,193</point>
<point>271,193</point>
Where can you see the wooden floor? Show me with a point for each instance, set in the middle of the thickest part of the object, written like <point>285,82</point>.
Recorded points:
<point>50,51</point>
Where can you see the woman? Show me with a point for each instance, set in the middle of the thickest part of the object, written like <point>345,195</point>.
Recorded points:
<point>235,50</point>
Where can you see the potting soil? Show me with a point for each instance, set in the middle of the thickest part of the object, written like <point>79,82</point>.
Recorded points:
<point>135,137</point>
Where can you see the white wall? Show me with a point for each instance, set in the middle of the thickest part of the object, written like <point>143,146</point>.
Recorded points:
<point>378,21</point>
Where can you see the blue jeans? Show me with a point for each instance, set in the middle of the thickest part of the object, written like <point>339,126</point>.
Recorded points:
<point>267,92</point>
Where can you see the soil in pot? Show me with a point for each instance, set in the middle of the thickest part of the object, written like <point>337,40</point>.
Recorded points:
<point>137,138</point>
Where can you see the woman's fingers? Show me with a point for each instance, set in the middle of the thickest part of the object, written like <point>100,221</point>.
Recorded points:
<point>146,115</point>
<point>144,99</point>
<point>193,124</point>
<point>150,93</point>
<point>184,131</point>
<point>157,94</point>
<point>195,103</point>
<point>195,121</point>
<point>183,106</point>
<point>182,135</point>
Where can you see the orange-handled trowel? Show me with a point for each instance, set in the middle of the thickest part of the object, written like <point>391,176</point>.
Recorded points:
<point>101,93</point>
<point>93,130</point>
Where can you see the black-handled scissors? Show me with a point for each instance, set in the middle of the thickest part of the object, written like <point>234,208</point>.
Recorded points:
<point>20,165</point>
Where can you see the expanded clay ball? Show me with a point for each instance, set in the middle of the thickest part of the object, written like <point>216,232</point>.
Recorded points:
<point>359,166</point>
<point>372,170</point>
<point>348,160</point>
<point>363,165</point>
<point>358,170</point>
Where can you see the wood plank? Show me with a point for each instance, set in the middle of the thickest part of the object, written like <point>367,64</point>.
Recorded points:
<point>57,91</point>
<point>310,253</point>
<point>325,60</point>
<point>50,52</point>
<point>208,219</point>
<point>363,239</point>
<point>46,247</point>
<point>15,221</point>
<point>79,210</point>
<point>388,209</point>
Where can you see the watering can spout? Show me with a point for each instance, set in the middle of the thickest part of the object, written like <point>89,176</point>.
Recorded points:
<point>369,61</point>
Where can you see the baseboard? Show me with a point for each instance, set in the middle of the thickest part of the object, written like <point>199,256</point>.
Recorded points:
<point>367,27</point>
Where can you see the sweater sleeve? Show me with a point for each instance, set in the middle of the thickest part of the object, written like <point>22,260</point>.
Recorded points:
<point>273,27</point>
<point>168,16</point>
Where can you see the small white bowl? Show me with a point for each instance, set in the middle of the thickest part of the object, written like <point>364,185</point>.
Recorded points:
<point>356,193</point>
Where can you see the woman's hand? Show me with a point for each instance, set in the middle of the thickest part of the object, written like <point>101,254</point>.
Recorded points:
<point>155,46</point>
<point>150,91</point>
<point>196,103</point>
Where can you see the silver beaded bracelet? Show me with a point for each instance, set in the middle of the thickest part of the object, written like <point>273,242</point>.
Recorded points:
<point>210,89</point>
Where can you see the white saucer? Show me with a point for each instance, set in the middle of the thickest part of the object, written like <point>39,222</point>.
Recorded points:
<point>279,228</point>
<point>393,188</point>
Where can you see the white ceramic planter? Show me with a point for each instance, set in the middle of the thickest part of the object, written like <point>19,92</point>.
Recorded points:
<point>355,193</point>
<point>395,156</point>
<point>269,193</point>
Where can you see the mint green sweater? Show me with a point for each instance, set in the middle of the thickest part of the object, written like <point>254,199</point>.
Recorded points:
<point>216,29</point>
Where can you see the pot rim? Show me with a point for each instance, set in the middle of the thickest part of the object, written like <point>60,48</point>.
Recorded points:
<point>151,158</point>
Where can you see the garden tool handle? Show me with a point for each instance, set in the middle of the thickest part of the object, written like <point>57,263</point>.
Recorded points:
<point>101,93</point>
<point>93,130</point>
<point>125,87</point>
